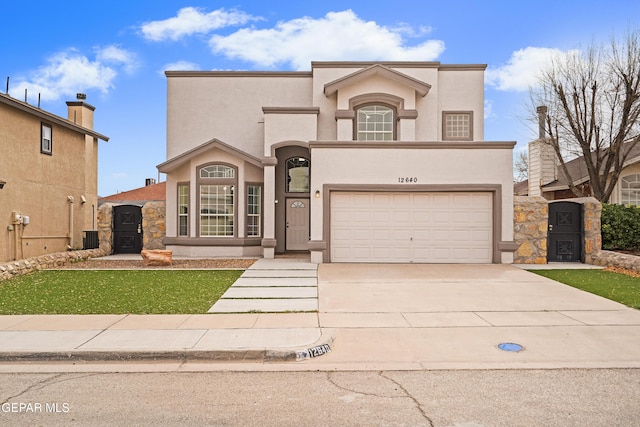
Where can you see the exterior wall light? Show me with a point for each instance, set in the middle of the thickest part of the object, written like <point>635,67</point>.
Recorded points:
<point>2,183</point>
<point>317,194</point>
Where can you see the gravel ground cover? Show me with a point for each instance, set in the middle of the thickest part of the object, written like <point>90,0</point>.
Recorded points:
<point>99,264</point>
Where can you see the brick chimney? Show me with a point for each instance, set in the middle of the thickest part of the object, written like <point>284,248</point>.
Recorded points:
<point>80,112</point>
<point>542,158</point>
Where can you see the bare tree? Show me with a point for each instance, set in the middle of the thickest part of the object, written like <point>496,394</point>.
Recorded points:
<point>593,100</point>
<point>521,166</point>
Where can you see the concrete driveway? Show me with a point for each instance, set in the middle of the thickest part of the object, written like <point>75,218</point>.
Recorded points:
<point>456,316</point>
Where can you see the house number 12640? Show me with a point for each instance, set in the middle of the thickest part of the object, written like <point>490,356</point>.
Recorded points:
<point>406,179</point>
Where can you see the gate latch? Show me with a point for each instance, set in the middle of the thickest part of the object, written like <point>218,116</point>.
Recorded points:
<point>139,228</point>
<point>550,227</point>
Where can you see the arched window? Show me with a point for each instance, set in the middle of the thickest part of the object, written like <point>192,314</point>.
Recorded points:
<point>217,171</point>
<point>217,201</point>
<point>631,190</point>
<point>375,122</point>
<point>298,175</point>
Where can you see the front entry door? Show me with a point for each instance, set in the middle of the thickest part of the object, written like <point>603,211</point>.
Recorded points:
<point>297,225</point>
<point>565,232</point>
<point>127,229</point>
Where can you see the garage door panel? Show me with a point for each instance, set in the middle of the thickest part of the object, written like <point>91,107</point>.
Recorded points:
<point>402,216</point>
<point>383,217</point>
<point>411,227</point>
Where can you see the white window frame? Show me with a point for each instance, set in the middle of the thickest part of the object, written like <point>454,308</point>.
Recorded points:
<point>46,139</point>
<point>217,201</point>
<point>183,210</point>
<point>380,128</point>
<point>632,194</point>
<point>254,210</point>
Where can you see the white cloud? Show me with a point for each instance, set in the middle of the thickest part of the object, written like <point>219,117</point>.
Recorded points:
<point>65,74</point>
<point>192,20</point>
<point>180,66</point>
<point>336,36</point>
<point>116,55</point>
<point>522,69</point>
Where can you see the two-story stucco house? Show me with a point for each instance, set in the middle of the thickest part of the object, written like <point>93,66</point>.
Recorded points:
<point>352,161</point>
<point>49,175</point>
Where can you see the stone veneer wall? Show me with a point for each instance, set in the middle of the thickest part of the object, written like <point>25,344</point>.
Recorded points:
<point>153,225</point>
<point>530,223</point>
<point>105,227</point>
<point>531,219</point>
<point>42,262</point>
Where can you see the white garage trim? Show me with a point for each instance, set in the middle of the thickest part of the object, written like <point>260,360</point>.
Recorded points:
<point>414,223</point>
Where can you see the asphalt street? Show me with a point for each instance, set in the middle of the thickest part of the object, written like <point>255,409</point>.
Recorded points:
<point>463,398</point>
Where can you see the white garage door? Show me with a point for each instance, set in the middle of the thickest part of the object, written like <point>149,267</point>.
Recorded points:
<point>411,227</point>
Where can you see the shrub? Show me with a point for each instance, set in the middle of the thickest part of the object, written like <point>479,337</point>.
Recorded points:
<point>620,227</point>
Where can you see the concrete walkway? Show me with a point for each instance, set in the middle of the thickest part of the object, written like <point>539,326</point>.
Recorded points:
<point>274,286</point>
<point>369,317</point>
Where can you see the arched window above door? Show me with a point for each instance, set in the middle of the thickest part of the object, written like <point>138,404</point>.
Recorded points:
<point>298,175</point>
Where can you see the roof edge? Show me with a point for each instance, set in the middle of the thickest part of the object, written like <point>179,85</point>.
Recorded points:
<point>180,159</point>
<point>45,115</point>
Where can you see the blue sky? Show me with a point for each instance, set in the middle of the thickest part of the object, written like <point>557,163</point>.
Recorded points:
<point>116,52</point>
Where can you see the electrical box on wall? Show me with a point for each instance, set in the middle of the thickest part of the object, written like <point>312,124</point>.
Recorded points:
<point>25,220</point>
<point>16,218</point>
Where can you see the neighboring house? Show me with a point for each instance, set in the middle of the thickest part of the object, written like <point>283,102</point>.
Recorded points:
<point>151,192</point>
<point>133,220</point>
<point>547,180</point>
<point>352,161</point>
<point>49,175</point>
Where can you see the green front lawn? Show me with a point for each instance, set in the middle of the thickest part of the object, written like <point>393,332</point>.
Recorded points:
<point>115,291</point>
<point>615,286</point>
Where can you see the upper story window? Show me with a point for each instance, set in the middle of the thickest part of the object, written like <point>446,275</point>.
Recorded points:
<point>375,123</point>
<point>46,141</point>
<point>457,125</point>
<point>631,190</point>
<point>298,175</point>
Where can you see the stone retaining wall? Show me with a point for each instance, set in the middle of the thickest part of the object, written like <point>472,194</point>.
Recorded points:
<point>42,262</point>
<point>616,259</point>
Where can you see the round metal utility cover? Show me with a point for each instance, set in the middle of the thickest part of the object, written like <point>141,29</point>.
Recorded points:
<point>509,346</point>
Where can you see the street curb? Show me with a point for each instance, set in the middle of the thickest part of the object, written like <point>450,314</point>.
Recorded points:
<point>320,347</point>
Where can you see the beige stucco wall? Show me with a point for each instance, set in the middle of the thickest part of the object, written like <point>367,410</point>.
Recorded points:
<point>463,167</point>
<point>288,127</point>
<point>228,107</point>
<point>234,114</point>
<point>462,89</point>
<point>38,186</point>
